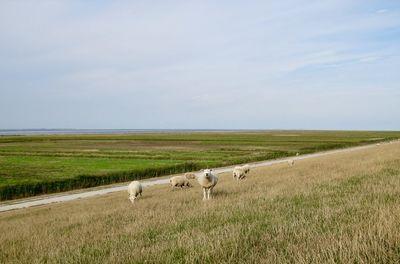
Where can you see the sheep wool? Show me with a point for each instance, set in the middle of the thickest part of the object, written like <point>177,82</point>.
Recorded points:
<point>134,190</point>
<point>207,180</point>
<point>179,181</point>
<point>239,173</point>
<point>246,168</point>
<point>190,176</point>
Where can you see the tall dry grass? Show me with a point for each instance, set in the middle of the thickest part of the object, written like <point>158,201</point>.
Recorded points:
<point>342,208</point>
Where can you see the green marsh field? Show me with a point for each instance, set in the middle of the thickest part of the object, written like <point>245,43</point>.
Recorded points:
<point>32,165</point>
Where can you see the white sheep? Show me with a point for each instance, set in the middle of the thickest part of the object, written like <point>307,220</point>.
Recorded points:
<point>207,180</point>
<point>238,173</point>
<point>134,190</point>
<point>290,162</point>
<point>246,168</point>
<point>179,181</point>
<point>190,176</point>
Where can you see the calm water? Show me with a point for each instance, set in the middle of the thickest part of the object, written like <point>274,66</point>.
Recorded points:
<point>98,131</point>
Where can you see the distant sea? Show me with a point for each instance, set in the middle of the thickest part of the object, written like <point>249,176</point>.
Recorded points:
<point>24,132</point>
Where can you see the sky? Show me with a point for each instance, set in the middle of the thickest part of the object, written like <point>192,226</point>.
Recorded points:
<point>304,64</point>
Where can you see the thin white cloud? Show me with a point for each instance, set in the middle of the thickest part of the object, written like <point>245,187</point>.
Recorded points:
<point>381,11</point>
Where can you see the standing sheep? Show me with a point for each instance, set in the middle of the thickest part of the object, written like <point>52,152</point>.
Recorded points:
<point>179,181</point>
<point>134,190</point>
<point>207,180</point>
<point>239,173</point>
<point>290,162</point>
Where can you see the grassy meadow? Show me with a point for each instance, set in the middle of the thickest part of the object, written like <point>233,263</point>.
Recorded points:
<point>31,165</point>
<point>340,208</point>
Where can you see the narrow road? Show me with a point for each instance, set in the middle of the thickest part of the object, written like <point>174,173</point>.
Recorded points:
<point>56,198</point>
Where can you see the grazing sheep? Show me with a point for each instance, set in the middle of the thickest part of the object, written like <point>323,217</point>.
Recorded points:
<point>134,190</point>
<point>179,181</point>
<point>290,162</point>
<point>190,176</point>
<point>207,180</point>
<point>239,173</point>
<point>246,168</point>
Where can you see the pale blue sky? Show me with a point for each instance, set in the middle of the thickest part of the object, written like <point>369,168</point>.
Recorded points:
<point>332,64</point>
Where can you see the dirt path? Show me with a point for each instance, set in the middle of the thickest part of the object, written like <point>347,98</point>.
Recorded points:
<point>62,197</point>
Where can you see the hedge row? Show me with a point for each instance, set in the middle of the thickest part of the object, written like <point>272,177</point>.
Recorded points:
<point>85,181</point>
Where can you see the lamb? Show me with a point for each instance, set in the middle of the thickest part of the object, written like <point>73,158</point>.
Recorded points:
<point>290,162</point>
<point>134,190</point>
<point>207,180</point>
<point>180,181</point>
<point>239,173</point>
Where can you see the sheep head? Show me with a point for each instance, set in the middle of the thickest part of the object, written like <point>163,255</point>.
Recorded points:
<point>207,173</point>
<point>132,198</point>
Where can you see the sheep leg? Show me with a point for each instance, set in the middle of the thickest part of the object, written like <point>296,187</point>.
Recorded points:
<point>209,193</point>
<point>204,194</point>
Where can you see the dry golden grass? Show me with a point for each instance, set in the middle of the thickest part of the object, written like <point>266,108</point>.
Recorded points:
<point>342,208</point>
